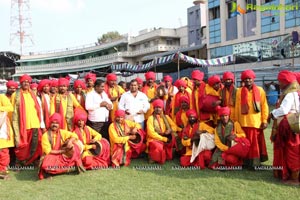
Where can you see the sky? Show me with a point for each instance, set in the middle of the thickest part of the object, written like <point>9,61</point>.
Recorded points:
<point>61,24</point>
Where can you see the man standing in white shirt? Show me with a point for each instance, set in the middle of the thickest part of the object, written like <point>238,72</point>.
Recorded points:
<point>134,103</point>
<point>98,106</point>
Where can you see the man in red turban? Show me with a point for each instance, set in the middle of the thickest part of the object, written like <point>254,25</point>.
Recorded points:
<point>11,86</point>
<point>114,92</point>
<point>26,122</point>
<point>61,150</point>
<point>96,153</point>
<point>252,111</point>
<point>228,92</point>
<point>149,89</point>
<point>198,90</point>
<point>126,139</point>
<point>170,90</point>
<point>181,85</point>
<point>44,94</point>
<point>227,134</point>
<point>90,79</point>
<point>79,92</point>
<point>140,83</point>
<point>286,142</point>
<point>160,138</point>
<point>53,87</point>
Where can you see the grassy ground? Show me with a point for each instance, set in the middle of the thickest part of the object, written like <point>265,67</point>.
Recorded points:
<point>150,181</point>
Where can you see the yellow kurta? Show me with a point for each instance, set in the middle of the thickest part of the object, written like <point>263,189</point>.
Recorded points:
<point>115,138</point>
<point>232,108</point>
<point>6,106</point>
<point>93,135</point>
<point>188,144</point>
<point>46,146</point>
<point>32,119</point>
<point>238,131</point>
<point>150,94</point>
<point>184,119</point>
<point>115,91</point>
<point>252,119</point>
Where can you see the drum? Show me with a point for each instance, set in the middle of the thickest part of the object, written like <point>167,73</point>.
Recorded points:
<point>70,148</point>
<point>96,151</point>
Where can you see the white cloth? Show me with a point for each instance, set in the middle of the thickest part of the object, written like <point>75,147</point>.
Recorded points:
<point>134,105</point>
<point>92,105</point>
<point>290,104</point>
<point>207,142</point>
<point>3,124</point>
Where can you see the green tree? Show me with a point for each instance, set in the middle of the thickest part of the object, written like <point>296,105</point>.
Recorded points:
<point>109,36</point>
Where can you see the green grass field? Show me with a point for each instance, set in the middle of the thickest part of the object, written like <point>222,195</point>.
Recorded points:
<point>150,181</point>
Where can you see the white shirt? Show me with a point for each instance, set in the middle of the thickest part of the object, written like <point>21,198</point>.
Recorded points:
<point>290,104</point>
<point>92,105</point>
<point>134,105</point>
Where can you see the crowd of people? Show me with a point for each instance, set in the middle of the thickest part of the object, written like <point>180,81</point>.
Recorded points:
<point>212,124</point>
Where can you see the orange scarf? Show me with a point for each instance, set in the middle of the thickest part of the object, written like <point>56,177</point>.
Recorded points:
<point>255,100</point>
<point>232,95</point>
<point>79,134</point>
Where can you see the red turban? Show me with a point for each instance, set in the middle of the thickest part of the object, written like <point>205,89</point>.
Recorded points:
<point>119,113</point>
<point>111,77</point>
<point>248,74</point>
<point>42,84</point>
<point>56,117</point>
<point>150,75</point>
<point>223,110</point>
<point>168,78</point>
<point>197,75</point>
<point>191,113</point>
<point>158,103</point>
<point>228,75</point>
<point>11,84</point>
<point>54,83</point>
<point>79,115</point>
<point>184,99</point>
<point>139,80</point>
<point>33,86</point>
<point>180,83</point>
<point>297,74</point>
<point>213,80</point>
<point>63,81</point>
<point>286,77</point>
<point>79,83</point>
<point>25,77</point>
<point>90,76</point>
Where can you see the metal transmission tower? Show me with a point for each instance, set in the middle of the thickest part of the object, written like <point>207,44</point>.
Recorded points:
<point>20,24</point>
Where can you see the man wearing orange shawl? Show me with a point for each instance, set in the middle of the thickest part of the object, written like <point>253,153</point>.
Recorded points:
<point>64,103</point>
<point>79,93</point>
<point>44,94</point>
<point>228,93</point>
<point>227,134</point>
<point>160,138</point>
<point>96,150</point>
<point>90,79</point>
<point>6,135</point>
<point>286,143</point>
<point>61,150</point>
<point>149,89</point>
<point>198,90</point>
<point>26,122</point>
<point>252,111</point>
<point>126,139</point>
<point>170,91</point>
<point>113,92</point>
<point>191,135</point>
<point>181,85</point>
<point>210,100</point>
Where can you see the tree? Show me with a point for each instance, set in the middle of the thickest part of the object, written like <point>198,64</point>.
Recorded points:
<point>109,36</point>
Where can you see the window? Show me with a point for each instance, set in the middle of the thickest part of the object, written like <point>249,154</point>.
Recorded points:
<point>230,6</point>
<point>169,41</point>
<point>214,13</point>
<point>252,4</point>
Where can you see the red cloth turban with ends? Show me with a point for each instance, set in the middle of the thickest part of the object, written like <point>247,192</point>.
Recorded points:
<point>228,75</point>
<point>80,115</point>
<point>213,80</point>
<point>191,113</point>
<point>54,83</point>
<point>168,78</point>
<point>63,81</point>
<point>158,103</point>
<point>297,74</point>
<point>111,77</point>
<point>248,74</point>
<point>286,77</point>
<point>150,75</point>
<point>223,110</point>
<point>33,86</point>
<point>11,84</point>
<point>25,77</point>
<point>90,76</point>
<point>79,83</point>
<point>119,113</point>
<point>56,117</point>
<point>184,99</point>
<point>42,84</point>
<point>197,75</point>
<point>180,83</point>
<point>139,80</point>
